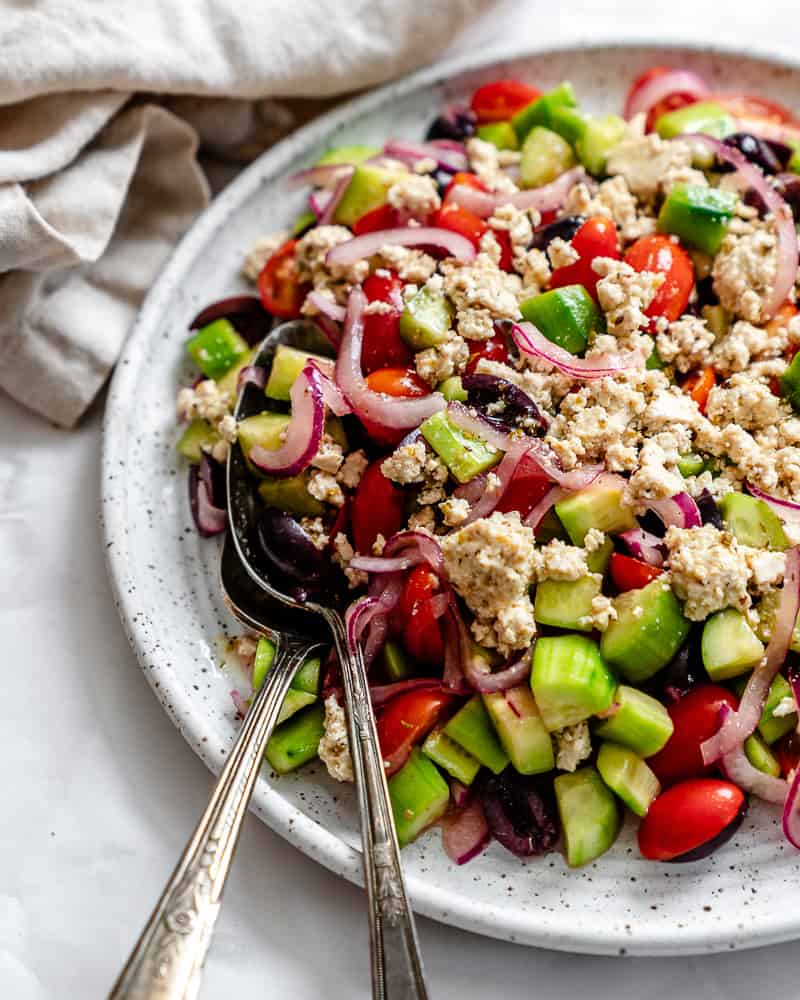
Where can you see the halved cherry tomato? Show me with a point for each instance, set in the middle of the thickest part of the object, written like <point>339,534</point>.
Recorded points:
<point>405,721</point>
<point>687,816</point>
<point>628,573</point>
<point>748,106</point>
<point>463,179</point>
<point>670,103</point>
<point>695,718</point>
<point>393,382</point>
<point>279,284</point>
<point>524,491</point>
<point>698,386</point>
<point>506,263</point>
<point>382,217</point>
<point>422,635</point>
<point>502,99</point>
<point>377,508</point>
<point>493,349</point>
<point>460,220</point>
<point>383,347</point>
<point>597,237</point>
<point>658,253</point>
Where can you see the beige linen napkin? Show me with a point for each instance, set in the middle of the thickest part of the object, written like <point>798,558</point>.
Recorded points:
<point>98,181</point>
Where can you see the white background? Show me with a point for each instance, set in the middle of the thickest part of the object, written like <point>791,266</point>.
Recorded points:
<point>99,791</point>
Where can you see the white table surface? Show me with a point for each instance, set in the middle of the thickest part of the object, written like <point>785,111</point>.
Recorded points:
<point>100,792</point>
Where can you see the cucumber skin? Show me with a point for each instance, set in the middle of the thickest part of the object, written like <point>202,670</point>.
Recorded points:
<point>628,776</point>
<point>451,757</point>
<point>729,646</point>
<point>626,643</point>
<point>641,723</point>
<point>562,603</point>
<point>570,680</point>
<point>590,818</point>
<point>296,741</point>
<point>419,796</point>
<point>521,730</point>
<point>472,729</point>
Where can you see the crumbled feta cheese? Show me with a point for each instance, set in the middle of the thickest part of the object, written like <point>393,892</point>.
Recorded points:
<point>481,284</point>
<point>516,222</point>
<point>655,479</point>
<point>411,463</point>
<point>445,359</point>
<point>614,200</point>
<point>427,165</point>
<point>747,403</point>
<point>414,194</point>
<point>484,159</point>
<point>315,530</point>
<point>379,308</point>
<point>594,540</point>
<point>745,343</point>
<point>203,402</point>
<point>260,252</point>
<point>534,268</point>
<point>744,271</point>
<point>378,545</point>
<point>603,613</point>
<point>423,519</point>
<point>624,294</point>
<point>311,250</point>
<point>455,511</point>
<point>343,552</point>
<point>766,568</point>
<point>353,469</point>
<point>652,165</point>
<point>686,343</point>
<point>559,561</point>
<point>329,457</point>
<point>323,487</point>
<point>334,747</point>
<point>708,570</point>
<point>562,253</point>
<point>573,745</point>
<point>411,265</point>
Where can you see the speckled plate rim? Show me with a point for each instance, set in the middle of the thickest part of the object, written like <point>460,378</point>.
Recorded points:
<point>307,835</point>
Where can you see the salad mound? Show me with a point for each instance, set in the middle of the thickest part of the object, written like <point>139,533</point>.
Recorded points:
<point>549,444</point>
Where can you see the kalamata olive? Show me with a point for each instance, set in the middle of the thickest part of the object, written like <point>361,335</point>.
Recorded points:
<point>457,123</point>
<point>652,523</point>
<point>502,401</point>
<point>289,549</point>
<point>682,673</point>
<point>788,186</point>
<point>520,812</point>
<point>709,511</point>
<point>772,157</point>
<point>564,228</point>
<point>246,312</point>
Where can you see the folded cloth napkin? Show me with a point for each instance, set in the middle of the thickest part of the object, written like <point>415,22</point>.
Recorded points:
<point>103,106</point>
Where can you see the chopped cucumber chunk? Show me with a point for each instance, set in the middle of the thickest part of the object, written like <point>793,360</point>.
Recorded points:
<point>426,319</point>
<point>545,156</point>
<point>540,111</point>
<point>598,507</point>
<point>499,134</point>
<point>451,757</point>
<point>568,316</point>
<point>703,116</point>
<point>229,383</point>
<point>347,154</point>
<point>639,722</point>
<point>198,437</point>
<point>771,726</point>
<point>570,680</point>
<point>453,390</point>
<point>753,522</point>
<point>628,776</point>
<point>286,366</point>
<point>303,222</point>
<point>216,348</point>
<point>419,796</point>
<point>600,136</point>
<point>760,756</point>
<point>464,455</point>
<point>568,122</point>
<point>691,465</point>
<point>590,819</point>
<point>296,741</point>
<point>472,729</point>
<point>790,383</point>
<point>698,215</point>
<point>598,560</point>
<point>522,732</point>
<point>729,646</point>
<point>368,189</point>
<point>563,603</point>
<point>291,495</point>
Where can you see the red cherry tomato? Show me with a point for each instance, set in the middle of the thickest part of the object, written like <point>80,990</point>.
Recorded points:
<point>748,106</point>
<point>524,491</point>
<point>377,508</point>
<point>383,347</point>
<point>696,717</point>
<point>503,237</point>
<point>279,284</point>
<point>700,385</point>
<point>597,237</point>
<point>787,752</point>
<point>460,220</point>
<point>382,217</point>
<point>687,816</point>
<point>463,179</point>
<point>502,99</point>
<point>669,103</point>
<point>393,382</point>
<point>628,573</point>
<point>422,635</point>
<point>660,254</point>
<point>493,349</point>
<point>405,721</point>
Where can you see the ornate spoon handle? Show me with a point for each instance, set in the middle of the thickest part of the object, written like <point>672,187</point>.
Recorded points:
<point>167,961</point>
<point>397,972</point>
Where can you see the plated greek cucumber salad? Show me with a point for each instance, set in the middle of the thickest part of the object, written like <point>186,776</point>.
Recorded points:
<point>549,446</point>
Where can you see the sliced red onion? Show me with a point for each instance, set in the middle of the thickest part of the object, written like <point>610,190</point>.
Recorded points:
<point>252,373</point>
<point>369,244</point>
<point>210,520</point>
<point>553,496</point>
<point>382,693</point>
<point>465,832</point>
<point>785,509</point>
<point>548,198</point>
<point>326,306</point>
<point>237,305</point>
<point>456,649</point>
<point>644,545</point>
<point>240,703</point>
<point>324,175</point>
<point>487,682</point>
<point>458,793</point>
<point>738,725</point>
<point>750,176</point>
<point>740,771</point>
<point>426,545</point>
<point>532,342</point>
<point>479,426</point>
<point>676,81</point>
<point>305,430</point>
<point>331,393</point>
<point>504,473</point>
<point>387,411</point>
<point>378,564</point>
<point>472,490</point>
<point>679,511</point>
<point>332,203</point>
<point>447,157</point>
<point>791,809</point>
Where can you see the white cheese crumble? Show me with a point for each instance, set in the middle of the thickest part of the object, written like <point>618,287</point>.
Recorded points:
<point>448,358</point>
<point>353,469</point>
<point>260,252</point>
<point>707,569</point>
<point>323,487</point>
<point>414,194</point>
<point>334,747</point>
<point>573,745</point>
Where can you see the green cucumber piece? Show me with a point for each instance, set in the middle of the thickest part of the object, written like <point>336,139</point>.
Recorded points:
<point>568,316</point>
<point>590,819</point>
<point>729,646</point>
<point>419,796</point>
<point>628,776</point>
<point>703,116</point>
<point>198,437</point>
<point>699,216</point>
<point>568,122</point>
<point>304,686</point>
<point>307,677</point>
<point>499,134</point>
<point>453,390</point>
<point>354,153</point>
<point>522,732</point>
<point>753,522</point>
<point>600,136</point>
<point>216,348</point>
<point>718,320</point>
<point>540,111</point>
<point>229,383</point>
<point>265,655</point>
<point>472,729</point>
<point>264,429</point>
<point>303,222</point>
<point>291,495</point>
<point>691,465</point>
<point>598,560</point>
<point>368,189</point>
<point>549,528</point>
<point>770,726</point>
<point>790,383</point>
<point>287,364</point>
<point>395,662</point>
<point>426,319</point>
<point>464,455</point>
<point>649,630</point>
<point>760,756</point>
<point>598,507</point>
<point>451,757</point>
<point>293,702</point>
<point>545,156</point>
<point>570,680</point>
<point>562,603</point>
<point>296,741</point>
<point>640,722</point>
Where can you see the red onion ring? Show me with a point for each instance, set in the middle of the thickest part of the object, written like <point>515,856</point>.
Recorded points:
<point>644,545</point>
<point>323,175</point>
<point>240,703</point>
<point>305,430</point>
<point>318,201</point>
<point>383,693</point>
<point>675,81</point>
<point>331,393</point>
<point>378,564</point>
<point>458,793</point>
<point>737,726</point>
<point>741,772</point>
<point>326,306</point>
<point>456,649</point>
<point>553,496</point>
<point>548,198</point>
<point>505,473</point>
<point>426,545</point>
<point>465,832</point>
<point>369,244</point>
<point>329,209</point>
<point>447,157</point>
<point>387,411</point>
<point>751,177</point>
<point>791,809</point>
<point>680,511</point>
<point>501,680</point>
<point>785,509</point>
<point>532,342</point>
<point>329,329</point>
<point>251,374</point>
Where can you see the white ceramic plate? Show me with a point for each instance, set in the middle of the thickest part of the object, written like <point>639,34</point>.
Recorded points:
<point>165,576</point>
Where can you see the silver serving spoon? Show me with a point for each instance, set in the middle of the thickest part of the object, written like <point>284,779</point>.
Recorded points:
<point>397,972</point>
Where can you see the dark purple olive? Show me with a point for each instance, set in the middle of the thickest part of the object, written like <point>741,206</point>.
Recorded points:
<point>564,229</point>
<point>246,312</point>
<point>501,401</point>
<point>213,475</point>
<point>772,157</point>
<point>457,123</point>
<point>289,549</point>
<point>520,813</point>
<point>652,523</point>
<point>682,673</point>
<point>709,511</point>
<point>788,186</point>
<point>703,851</point>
